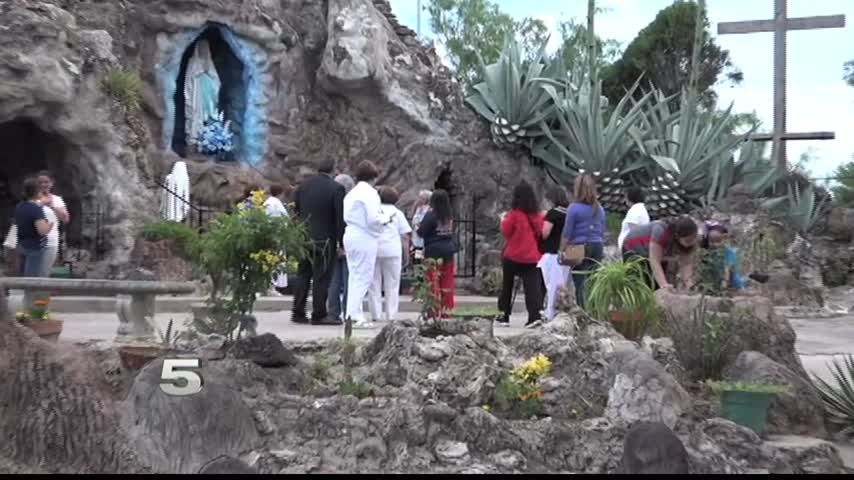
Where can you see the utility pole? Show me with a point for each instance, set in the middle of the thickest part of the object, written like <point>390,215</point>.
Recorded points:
<point>418,27</point>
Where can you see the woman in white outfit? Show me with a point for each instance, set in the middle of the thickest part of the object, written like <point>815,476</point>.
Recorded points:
<point>276,208</point>
<point>393,242</point>
<point>637,214</point>
<point>56,212</point>
<point>365,222</point>
<point>555,275</point>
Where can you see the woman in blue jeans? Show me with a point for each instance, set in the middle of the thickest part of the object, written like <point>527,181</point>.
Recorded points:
<point>33,227</point>
<point>585,225</point>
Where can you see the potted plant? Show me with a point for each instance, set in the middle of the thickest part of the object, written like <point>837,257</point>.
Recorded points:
<point>38,319</point>
<point>746,403</point>
<point>136,356</point>
<point>620,292</point>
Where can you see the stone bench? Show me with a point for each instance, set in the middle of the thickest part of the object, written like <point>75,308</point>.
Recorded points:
<point>136,315</point>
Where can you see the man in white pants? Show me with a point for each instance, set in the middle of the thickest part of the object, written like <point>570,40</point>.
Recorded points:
<point>393,242</point>
<point>365,222</point>
<point>55,211</point>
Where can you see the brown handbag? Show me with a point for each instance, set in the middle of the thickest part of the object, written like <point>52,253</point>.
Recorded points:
<point>573,255</point>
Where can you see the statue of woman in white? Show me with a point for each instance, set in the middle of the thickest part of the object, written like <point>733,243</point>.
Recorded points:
<point>201,91</point>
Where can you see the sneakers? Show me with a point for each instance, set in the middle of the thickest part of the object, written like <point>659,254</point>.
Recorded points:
<point>534,324</point>
<point>502,322</point>
<point>364,325</point>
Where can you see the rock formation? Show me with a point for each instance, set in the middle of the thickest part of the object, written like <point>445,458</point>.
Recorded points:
<point>301,82</point>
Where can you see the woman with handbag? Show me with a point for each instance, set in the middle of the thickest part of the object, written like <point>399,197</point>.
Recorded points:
<point>522,228</point>
<point>582,243</point>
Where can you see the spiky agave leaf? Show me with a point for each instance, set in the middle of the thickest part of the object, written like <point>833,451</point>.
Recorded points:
<point>838,399</point>
<point>511,95</point>
<point>803,211</point>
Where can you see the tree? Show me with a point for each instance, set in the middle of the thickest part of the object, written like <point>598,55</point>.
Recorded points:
<point>849,72</point>
<point>843,193</point>
<point>662,53</point>
<point>574,45</point>
<point>470,27</point>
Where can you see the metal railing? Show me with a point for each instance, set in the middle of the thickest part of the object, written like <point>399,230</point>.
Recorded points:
<point>197,216</point>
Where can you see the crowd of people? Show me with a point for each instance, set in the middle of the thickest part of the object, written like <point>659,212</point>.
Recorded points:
<point>545,249</point>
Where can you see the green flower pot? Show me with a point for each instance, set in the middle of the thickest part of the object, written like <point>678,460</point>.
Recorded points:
<point>749,409</point>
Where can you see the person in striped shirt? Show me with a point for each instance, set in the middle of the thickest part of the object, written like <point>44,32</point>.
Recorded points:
<point>661,241</point>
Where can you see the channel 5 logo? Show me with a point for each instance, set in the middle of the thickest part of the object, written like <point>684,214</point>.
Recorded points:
<point>181,377</point>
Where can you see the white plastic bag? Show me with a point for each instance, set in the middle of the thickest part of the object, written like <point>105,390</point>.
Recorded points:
<point>11,242</point>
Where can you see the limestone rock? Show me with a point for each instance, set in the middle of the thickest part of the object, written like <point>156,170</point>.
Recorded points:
<point>356,54</point>
<point>101,43</point>
<point>163,259</point>
<point>643,391</point>
<point>799,412</point>
<point>652,448</point>
<point>264,350</point>
<point>452,452</point>
<point>162,422</point>
<point>227,465</point>
<point>757,328</point>
<point>840,224</point>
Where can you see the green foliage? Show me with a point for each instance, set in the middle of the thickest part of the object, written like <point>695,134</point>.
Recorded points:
<point>242,253</point>
<point>470,29</point>
<point>615,225</point>
<point>622,286</point>
<point>574,49</point>
<point>843,193</point>
<point>711,272</point>
<point>719,387</point>
<point>168,338</point>
<point>355,388</point>
<point>760,250</point>
<point>802,210</point>
<point>125,86</point>
<point>475,312</point>
<point>186,238</point>
<point>320,368</point>
<point>518,391</point>
<point>704,342</point>
<point>662,52</point>
<point>511,97</point>
<point>838,399</point>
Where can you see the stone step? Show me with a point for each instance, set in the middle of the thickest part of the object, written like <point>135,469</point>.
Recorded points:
<point>181,304</point>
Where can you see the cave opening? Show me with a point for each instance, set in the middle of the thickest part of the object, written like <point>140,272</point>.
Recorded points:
<point>27,150</point>
<point>229,78</point>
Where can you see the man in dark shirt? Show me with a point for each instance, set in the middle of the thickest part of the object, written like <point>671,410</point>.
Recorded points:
<point>319,202</point>
<point>33,228</point>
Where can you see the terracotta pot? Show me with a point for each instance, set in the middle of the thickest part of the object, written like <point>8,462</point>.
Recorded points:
<point>134,357</point>
<point>630,326</point>
<point>46,329</point>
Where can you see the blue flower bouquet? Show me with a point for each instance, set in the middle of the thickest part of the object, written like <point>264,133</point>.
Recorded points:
<point>216,137</point>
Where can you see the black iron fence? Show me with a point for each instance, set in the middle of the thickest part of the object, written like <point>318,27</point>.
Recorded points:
<point>465,232</point>
<point>197,216</point>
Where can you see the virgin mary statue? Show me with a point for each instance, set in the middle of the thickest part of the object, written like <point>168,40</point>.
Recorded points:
<point>201,91</point>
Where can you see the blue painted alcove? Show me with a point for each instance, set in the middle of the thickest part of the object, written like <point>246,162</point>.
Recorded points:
<point>239,63</point>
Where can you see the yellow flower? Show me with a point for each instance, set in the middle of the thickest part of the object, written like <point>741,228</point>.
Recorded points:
<point>533,369</point>
<point>487,408</point>
<point>268,260</point>
<point>258,197</point>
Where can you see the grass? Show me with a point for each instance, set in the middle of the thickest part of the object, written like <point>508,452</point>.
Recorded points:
<point>476,312</point>
<point>719,387</point>
<point>125,86</point>
<point>320,369</point>
<point>186,239</point>
<point>355,388</point>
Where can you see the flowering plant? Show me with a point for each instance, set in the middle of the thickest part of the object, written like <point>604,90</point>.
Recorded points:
<point>242,252</point>
<point>216,136</point>
<point>37,313</point>
<point>519,392</point>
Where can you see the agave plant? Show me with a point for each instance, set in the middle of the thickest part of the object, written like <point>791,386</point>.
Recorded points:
<point>839,399</point>
<point>588,137</point>
<point>511,96</point>
<point>755,172</point>
<point>692,155</point>
<point>803,210</point>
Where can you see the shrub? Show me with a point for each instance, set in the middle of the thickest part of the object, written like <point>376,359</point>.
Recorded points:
<point>125,86</point>
<point>186,239</point>
<point>838,399</point>
<point>711,272</point>
<point>355,388</point>
<point>623,286</point>
<point>704,342</point>
<point>423,292</point>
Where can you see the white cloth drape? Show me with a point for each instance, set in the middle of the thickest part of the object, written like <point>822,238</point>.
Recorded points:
<point>176,205</point>
<point>555,276</point>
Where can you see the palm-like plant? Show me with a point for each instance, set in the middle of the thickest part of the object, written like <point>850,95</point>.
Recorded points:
<point>511,96</point>
<point>839,399</point>
<point>803,210</point>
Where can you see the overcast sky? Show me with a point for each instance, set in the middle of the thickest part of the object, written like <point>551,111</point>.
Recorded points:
<point>818,98</point>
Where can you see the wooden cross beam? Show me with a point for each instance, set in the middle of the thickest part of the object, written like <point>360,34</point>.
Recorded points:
<point>780,25</point>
